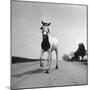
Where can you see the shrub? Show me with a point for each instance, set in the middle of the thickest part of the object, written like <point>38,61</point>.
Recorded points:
<point>66,57</point>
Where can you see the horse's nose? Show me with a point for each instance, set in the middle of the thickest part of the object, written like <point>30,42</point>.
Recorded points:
<point>44,33</point>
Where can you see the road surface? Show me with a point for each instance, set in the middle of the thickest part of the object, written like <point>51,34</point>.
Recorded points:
<point>29,74</point>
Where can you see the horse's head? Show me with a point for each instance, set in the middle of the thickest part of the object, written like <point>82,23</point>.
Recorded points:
<point>45,29</point>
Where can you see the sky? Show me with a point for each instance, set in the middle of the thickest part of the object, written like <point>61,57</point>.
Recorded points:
<point>68,25</point>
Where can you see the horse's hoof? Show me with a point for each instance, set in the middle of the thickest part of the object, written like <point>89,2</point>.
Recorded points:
<point>56,67</point>
<point>41,65</point>
<point>47,71</point>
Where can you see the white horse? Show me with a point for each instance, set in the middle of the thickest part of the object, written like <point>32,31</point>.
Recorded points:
<point>48,44</point>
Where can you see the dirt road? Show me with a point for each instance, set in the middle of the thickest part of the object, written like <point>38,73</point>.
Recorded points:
<point>29,74</point>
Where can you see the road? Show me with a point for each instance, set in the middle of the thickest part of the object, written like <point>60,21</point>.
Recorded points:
<point>29,74</point>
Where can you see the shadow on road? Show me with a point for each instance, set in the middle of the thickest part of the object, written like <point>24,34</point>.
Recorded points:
<point>22,60</point>
<point>28,72</point>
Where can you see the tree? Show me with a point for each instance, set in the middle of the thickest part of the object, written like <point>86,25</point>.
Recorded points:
<point>81,50</point>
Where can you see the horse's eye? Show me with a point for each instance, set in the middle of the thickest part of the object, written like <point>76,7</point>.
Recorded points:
<point>41,28</point>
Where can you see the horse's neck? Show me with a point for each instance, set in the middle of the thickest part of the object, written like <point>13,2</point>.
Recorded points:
<point>50,37</point>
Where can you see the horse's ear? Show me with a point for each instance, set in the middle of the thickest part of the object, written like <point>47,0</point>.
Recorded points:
<point>42,22</point>
<point>49,24</point>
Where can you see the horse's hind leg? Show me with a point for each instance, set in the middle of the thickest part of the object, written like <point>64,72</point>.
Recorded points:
<point>56,50</point>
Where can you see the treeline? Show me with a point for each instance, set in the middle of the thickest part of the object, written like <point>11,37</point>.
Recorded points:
<point>79,55</point>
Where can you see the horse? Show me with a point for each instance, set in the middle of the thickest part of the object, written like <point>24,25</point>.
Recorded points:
<point>48,44</point>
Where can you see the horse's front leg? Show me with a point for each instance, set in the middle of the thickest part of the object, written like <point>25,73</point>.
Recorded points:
<point>48,61</point>
<point>41,63</point>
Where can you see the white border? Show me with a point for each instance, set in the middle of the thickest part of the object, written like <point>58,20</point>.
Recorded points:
<point>5,43</point>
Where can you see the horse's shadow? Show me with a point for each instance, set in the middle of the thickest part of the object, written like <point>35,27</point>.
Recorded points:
<point>36,71</point>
